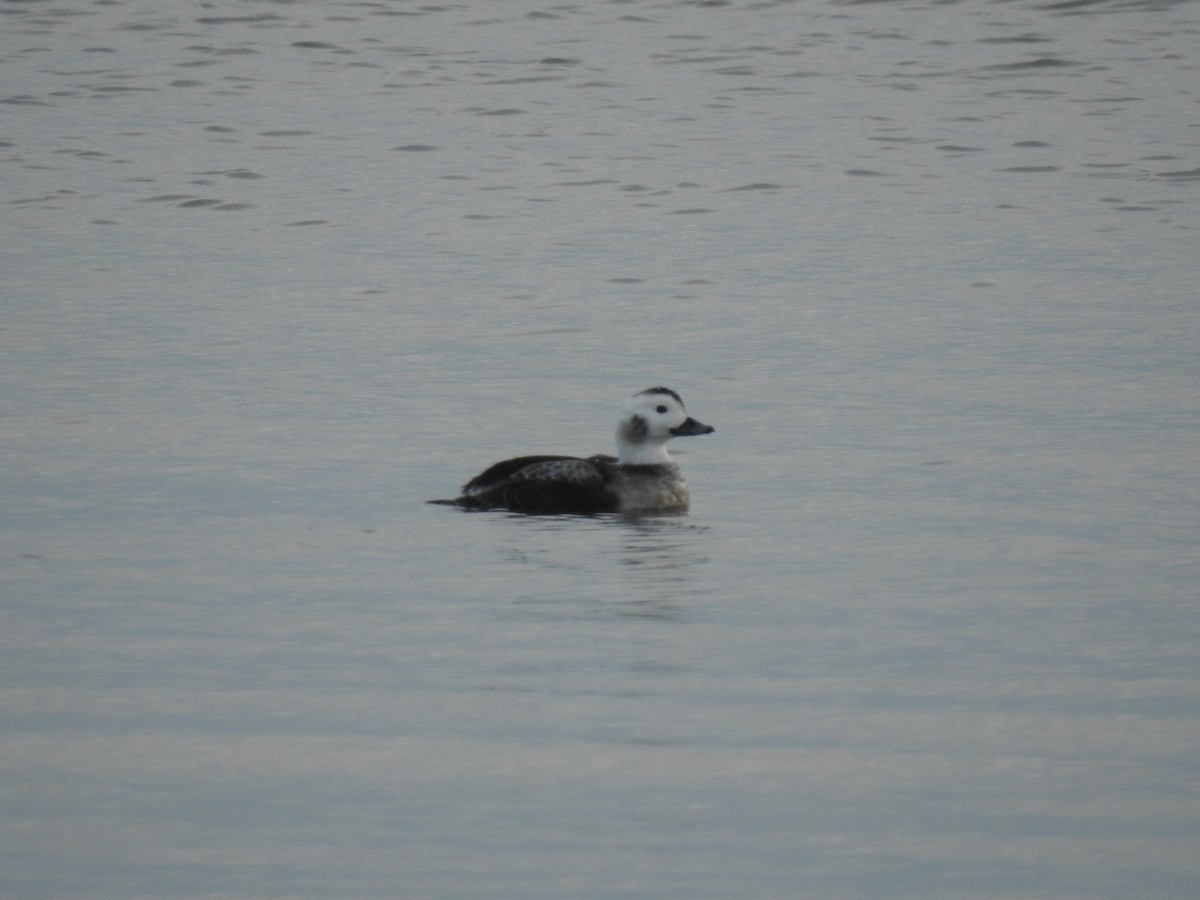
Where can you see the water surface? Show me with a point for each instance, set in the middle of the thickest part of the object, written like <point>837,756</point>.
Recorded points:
<point>276,274</point>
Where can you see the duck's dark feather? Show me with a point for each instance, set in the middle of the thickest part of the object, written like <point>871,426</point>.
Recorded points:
<point>549,484</point>
<point>549,468</point>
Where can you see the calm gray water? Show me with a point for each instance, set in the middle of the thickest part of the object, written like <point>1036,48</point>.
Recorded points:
<point>274,274</point>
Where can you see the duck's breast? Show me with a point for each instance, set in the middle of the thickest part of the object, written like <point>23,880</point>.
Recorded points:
<point>650,487</point>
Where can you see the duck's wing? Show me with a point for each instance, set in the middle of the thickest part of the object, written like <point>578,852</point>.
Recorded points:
<point>553,484</point>
<point>502,471</point>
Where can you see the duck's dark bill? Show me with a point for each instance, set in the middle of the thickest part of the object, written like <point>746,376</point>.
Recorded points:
<point>692,427</point>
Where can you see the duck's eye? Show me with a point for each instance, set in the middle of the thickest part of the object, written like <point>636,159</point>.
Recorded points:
<point>660,410</point>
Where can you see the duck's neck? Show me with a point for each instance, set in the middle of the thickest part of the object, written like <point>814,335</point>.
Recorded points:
<point>644,454</point>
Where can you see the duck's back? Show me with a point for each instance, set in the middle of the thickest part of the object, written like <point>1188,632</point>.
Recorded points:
<point>543,484</point>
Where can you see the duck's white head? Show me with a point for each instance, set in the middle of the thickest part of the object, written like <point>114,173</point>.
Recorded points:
<point>650,419</point>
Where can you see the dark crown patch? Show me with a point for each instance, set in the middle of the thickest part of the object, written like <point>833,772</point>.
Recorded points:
<point>663,390</point>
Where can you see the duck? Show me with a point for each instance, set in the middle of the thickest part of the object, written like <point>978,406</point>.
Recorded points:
<point>642,477</point>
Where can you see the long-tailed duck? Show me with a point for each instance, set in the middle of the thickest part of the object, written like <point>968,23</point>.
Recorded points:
<point>642,476</point>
